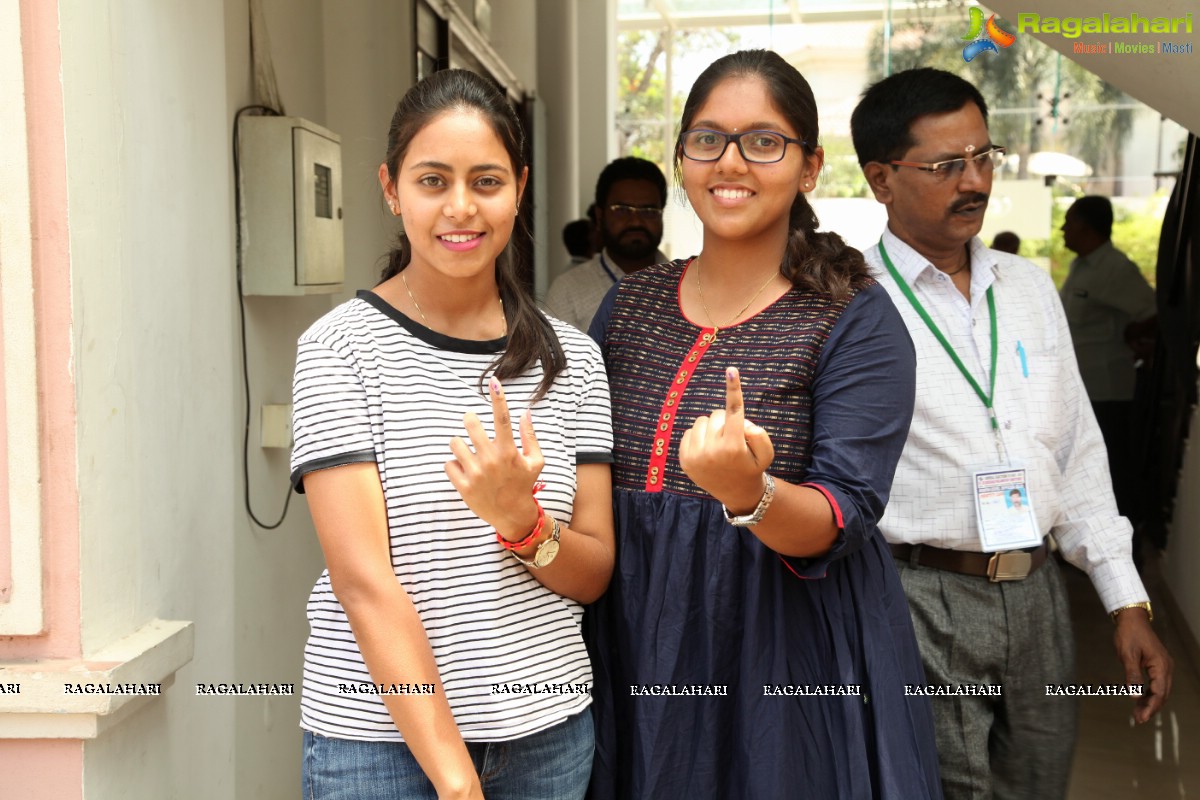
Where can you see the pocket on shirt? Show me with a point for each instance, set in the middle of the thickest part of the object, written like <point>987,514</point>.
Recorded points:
<point>1035,378</point>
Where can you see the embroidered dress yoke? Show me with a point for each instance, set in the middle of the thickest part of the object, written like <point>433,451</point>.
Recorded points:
<point>724,669</point>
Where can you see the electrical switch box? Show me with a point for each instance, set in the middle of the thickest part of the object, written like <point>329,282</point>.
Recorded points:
<point>275,426</point>
<point>291,216</point>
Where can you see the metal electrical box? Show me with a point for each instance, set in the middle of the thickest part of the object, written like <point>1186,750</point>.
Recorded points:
<point>291,196</point>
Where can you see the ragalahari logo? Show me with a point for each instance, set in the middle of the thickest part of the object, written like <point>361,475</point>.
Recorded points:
<point>984,38</point>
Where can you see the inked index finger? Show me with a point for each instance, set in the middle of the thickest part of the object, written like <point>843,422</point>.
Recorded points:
<point>734,408</point>
<point>500,415</point>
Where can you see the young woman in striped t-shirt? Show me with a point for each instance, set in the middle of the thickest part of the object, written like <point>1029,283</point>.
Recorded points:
<point>445,657</point>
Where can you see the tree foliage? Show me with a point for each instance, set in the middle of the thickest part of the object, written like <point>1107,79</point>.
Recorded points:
<point>643,128</point>
<point>1038,100</point>
<point>841,176</point>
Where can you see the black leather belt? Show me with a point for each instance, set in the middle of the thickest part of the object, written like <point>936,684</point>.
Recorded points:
<point>1009,565</point>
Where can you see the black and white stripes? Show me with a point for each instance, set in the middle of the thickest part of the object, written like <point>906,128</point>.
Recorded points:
<point>373,385</point>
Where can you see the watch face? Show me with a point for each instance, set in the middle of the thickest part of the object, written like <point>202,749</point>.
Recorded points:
<point>546,553</point>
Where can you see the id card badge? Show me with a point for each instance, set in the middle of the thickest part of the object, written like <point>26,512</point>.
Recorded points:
<point>1003,509</point>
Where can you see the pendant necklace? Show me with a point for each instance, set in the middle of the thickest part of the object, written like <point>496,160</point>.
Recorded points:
<point>716,328</point>
<point>417,306</point>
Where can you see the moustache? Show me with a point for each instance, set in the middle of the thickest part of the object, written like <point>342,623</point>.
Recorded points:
<point>642,231</point>
<point>971,199</point>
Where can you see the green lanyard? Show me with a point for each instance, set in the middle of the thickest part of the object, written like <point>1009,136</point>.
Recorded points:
<point>920,309</point>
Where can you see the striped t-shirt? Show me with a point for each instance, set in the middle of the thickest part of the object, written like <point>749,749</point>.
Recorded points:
<point>372,385</point>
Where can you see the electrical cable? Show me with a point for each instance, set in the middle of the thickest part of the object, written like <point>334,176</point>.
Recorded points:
<point>237,205</point>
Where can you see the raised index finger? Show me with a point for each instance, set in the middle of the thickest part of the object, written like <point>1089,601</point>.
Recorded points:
<point>500,414</point>
<point>734,408</point>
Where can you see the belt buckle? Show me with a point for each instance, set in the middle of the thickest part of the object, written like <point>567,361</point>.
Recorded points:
<point>1013,565</point>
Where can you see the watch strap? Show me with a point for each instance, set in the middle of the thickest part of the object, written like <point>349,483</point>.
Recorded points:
<point>755,516</point>
<point>548,547</point>
<point>1146,605</point>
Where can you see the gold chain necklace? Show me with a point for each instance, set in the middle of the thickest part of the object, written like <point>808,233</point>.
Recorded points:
<point>417,306</point>
<point>735,317</point>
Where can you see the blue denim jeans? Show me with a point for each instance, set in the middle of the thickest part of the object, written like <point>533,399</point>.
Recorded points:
<point>554,764</point>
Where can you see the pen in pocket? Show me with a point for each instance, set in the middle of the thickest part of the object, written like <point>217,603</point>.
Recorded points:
<point>1024,362</point>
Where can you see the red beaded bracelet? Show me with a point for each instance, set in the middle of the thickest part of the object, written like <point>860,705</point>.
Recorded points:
<point>537,526</point>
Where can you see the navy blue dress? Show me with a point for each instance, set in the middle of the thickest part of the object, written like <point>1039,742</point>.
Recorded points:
<point>723,669</point>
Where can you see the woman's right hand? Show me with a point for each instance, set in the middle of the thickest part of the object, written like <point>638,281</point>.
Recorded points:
<point>496,478</point>
<point>725,454</point>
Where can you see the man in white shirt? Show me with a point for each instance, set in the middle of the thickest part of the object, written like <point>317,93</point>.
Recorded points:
<point>999,402</point>
<point>630,195</point>
<point>1110,311</point>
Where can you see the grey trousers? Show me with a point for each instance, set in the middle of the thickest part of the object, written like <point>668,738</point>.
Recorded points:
<point>1014,634</point>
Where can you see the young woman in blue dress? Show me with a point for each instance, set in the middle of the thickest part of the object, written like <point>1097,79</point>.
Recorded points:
<point>755,640</point>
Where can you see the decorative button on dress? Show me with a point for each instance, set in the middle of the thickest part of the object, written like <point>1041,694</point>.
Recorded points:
<point>723,669</point>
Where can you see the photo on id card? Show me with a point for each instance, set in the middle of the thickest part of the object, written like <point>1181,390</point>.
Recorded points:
<point>1004,510</point>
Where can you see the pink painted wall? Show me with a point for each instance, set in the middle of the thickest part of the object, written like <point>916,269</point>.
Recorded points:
<point>52,306</point>
<point>42,769</point>
<point>49,769</point>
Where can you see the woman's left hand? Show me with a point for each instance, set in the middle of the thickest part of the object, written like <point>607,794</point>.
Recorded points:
<point>496,478</point>
<point>726,454</point>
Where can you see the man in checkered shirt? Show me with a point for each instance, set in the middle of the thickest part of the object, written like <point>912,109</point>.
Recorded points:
<point>998,394</point>
<point>630,195</point>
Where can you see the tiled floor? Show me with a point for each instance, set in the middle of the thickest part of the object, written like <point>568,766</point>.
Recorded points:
<point>1115,759</point>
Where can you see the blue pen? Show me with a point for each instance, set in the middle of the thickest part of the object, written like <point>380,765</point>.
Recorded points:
<point>1024,363</point>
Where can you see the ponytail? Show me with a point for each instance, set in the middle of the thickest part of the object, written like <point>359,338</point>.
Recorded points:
<point>397,259</point>
<point>821,262</point>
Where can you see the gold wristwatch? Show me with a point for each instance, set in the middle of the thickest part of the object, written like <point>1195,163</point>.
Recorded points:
<point>1145,605</point>
<point>546,551</point>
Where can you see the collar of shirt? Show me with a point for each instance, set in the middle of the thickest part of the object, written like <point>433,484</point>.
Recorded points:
<point>605,264</point>
<point>1097,255</point>
<point>917,269</point>
<point>615,272</point>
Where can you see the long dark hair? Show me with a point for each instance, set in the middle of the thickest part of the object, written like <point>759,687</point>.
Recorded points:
<point>819,262</point>
<point>530,335</point>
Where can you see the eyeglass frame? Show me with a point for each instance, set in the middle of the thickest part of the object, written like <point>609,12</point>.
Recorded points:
<point>626,210</point>
<point>736,138</point>
<point>932,166</point>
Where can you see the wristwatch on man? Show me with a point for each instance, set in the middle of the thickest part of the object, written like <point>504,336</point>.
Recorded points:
<point>1146,605</point>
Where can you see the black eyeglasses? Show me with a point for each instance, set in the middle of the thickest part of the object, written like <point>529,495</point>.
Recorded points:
<point>989,159</point>
<point>758,147</point>
<point>622,211</point>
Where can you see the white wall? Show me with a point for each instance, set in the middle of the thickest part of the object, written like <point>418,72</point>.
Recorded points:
<point>343,66</point>
<point>514,34</point>
<point>273,569</point>
<point>596,84</point>
<point>149,209</point>
<point>557,26</point>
